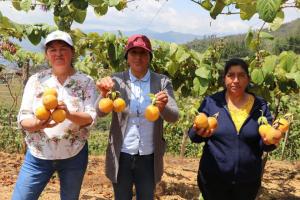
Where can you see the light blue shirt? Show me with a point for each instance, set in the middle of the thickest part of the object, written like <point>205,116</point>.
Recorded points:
<point>139,131</point>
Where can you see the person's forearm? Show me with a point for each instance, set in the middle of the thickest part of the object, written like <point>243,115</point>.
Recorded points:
<point>80,118</point>
<point>31,125</point>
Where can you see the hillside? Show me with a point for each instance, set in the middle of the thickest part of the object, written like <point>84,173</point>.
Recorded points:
<point>286,37</point>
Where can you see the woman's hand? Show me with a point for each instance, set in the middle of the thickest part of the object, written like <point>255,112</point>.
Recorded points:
<point>33,125</point>
<point>204,132</point>
<point>61,105</point>
<point>161,100</point>
<point>105,85</point>
<point>275,141</point>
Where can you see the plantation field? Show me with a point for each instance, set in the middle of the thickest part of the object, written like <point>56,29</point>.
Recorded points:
<point>281,180</point>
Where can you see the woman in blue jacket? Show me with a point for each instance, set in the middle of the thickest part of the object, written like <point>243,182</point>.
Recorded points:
<point>231,165</point>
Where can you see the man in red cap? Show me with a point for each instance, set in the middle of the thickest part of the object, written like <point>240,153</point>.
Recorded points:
<point>136,146</point>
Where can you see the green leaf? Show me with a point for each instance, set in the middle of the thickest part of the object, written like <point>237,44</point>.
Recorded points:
<point>35,37</point>
<point>267,9</point>
<point>286,60</point>
<point>113,3</point>
<point>80,4</point>
<point>16,5</point>
<point>295,76</point>
<point>269,64</point>
<point>247,10</point>
<point>181,55</point>
<point>266,35</point>
<point>95,2</point>
<point>200,85</point>
<point>257,76</point>
<point>80,16</point>
<point>278,21</point>
<point>101,10</point>
<point>173,49</point>
<point>249,38</point>
<point>206,4</point>
<point>217,8</point>
<point>122,4</point>
<point>172,67</point>
<point>25,5</point>
<point>203,72</point>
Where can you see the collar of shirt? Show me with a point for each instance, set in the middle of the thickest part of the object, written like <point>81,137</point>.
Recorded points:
<point>144,79</point>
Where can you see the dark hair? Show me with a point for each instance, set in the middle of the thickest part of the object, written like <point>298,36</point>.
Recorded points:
<point>236,62</point>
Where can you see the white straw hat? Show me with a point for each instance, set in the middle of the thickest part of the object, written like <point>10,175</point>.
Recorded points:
<point>59,35</point>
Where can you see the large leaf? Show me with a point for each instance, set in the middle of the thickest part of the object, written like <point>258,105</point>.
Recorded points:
<point>101,9</point>
<point>286,60</point>
<point>247,10</point>
<point>172,67</point>
<point>267,9</point>
<point>266,35</point>
<point>203,72</point>
<point>257,76</point>
<point>95,2</point>
<point>17,5</point>
<point>80,16</point>
<point>269,64</point>
<point>113,3</point>
<point>278,21</point>
<point>25,5</point>
<point>200,85</point>
<point>249,38</point>
<point>80,4</point>
<point>35,37</point>
<point>217,8</point>
<point>295,76</point>
<point>173,49</point>
<point>181,55</point>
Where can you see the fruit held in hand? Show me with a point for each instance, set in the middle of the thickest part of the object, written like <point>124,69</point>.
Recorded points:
<point>58,115</point>
<point>281,124</point>
<point>50,91</point>
<point>273,135</point>
<point>201,121</point>
<point>264,129</point>
<point>50,102</point>
<point>212,122</point>
<point>42,113</point>
<point>152,113</point>
<point>106,105</point>
<point>119,105</point>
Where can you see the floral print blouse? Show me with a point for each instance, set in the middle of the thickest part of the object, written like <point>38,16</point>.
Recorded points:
<point>66,139</point>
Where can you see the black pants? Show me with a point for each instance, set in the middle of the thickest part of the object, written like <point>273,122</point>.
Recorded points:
<point>218,190</point>
<point>137,170</point>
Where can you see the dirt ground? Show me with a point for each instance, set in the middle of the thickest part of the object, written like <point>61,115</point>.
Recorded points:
<point>281,180</point>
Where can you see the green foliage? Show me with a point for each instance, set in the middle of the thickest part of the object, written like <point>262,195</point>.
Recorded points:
<point>11,139</point>
<point>267,10</point>
<point>66,12</point>
<point>97,142</point>
<point>173,133</point>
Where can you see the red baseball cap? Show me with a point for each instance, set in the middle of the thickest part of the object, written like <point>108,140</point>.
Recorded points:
<point>138,41</point>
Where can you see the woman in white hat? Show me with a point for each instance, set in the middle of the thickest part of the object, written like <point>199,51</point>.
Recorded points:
<point>52,146</point>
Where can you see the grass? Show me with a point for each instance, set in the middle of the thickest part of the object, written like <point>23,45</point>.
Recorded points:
<point>17,89</point>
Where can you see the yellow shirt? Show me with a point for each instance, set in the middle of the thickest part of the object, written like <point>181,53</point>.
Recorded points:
<point>239,115</point>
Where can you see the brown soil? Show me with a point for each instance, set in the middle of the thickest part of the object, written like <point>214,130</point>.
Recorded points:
<point>281,180</point>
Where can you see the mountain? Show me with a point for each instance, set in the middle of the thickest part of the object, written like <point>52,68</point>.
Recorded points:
<point>171,36</point>
<point>281,37</point>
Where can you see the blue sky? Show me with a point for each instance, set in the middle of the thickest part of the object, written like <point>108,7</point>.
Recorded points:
<point>160,16</point>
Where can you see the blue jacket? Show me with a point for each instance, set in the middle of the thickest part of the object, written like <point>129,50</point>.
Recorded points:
<point>228,156</point>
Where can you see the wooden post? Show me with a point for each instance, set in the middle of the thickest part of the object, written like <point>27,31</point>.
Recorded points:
<point>183,144</point>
